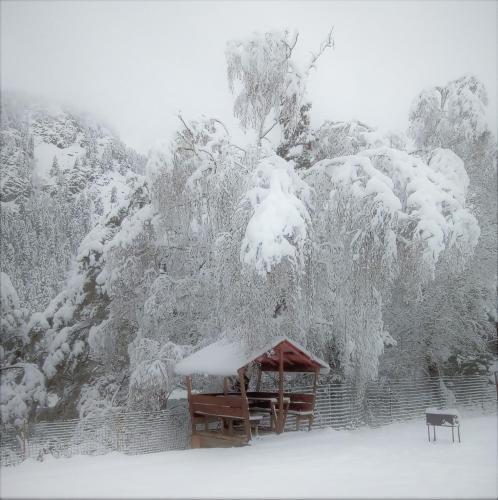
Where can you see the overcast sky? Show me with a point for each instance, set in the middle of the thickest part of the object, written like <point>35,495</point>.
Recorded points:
<point>137,64</point>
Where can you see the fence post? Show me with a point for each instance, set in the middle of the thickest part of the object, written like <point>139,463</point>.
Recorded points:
<point>23,440</point>
<point>390,405</point>
<point>350,394</point>
<point>496,386</point>
<point>329,414</point>
<point>119,431</point>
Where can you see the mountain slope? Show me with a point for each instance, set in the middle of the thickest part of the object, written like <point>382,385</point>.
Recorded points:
<point>60,173</point>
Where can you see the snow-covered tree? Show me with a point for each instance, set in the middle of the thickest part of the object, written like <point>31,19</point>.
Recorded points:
<point>22,384</point>
<point>271,87</point>
<point>152,377</point>
<point>453,315</point>
<point>451,116</point>
<point>13,326</point>
<point>22,389</point>
<point>55,169</point>
<point>378,215</point>
<point>297,141</point>
<point>263,257</point>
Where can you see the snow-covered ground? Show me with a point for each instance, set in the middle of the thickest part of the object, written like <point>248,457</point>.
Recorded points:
<point>393,461</point>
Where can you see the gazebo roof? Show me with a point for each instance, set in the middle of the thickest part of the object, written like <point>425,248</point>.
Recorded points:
<point>225,358</point>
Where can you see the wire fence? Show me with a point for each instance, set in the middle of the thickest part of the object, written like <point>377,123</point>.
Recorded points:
<point>343,406</point>
<point>340,406</point>
<point>127,432</point>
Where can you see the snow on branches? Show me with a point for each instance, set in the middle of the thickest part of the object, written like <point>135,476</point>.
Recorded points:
<point>278,228</point>
<point>270,82</point>
<point>22,383</point>
<point>408,201</point>
<point>269,79</point>
<point>378,215</point>
<point>13,317</point>
<point>22,389</point>
<point>152,377</point>
<point>450,115</point>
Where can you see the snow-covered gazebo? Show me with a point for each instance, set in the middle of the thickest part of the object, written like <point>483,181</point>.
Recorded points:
<point>229,359</point>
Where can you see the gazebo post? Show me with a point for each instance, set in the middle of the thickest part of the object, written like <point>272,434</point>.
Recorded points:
<point>260,373</point>
<point>194,442</point>
<point>315,385</point>
<point>315,382</point>
<point>189,393</point>
<point>280,391</point>
<point>247,425</point>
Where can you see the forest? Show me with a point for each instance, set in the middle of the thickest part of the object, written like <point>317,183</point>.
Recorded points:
<point>374,249</point>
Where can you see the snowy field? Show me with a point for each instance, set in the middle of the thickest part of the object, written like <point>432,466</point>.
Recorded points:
<point>393,461</point>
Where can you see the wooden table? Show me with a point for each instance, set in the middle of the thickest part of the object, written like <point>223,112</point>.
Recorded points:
<point>273,408</point>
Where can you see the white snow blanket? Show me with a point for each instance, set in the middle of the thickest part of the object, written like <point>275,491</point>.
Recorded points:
<point>395,461</point>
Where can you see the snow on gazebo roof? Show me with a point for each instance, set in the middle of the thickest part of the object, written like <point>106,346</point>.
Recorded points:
<point>224,358</point>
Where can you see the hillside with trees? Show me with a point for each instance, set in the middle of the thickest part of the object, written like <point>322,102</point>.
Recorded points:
<point>376,250</point>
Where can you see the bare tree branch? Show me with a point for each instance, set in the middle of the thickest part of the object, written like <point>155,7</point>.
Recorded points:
<point>192,147</point>
<point>210,156</point>
<point>268,130</point>
<point>326,44</point>
<point>21,366</point>
<point>222,124</point>
<point>290,48</point>
<point>183,148</point>
<point>238,147</point>
<point>186,126</point>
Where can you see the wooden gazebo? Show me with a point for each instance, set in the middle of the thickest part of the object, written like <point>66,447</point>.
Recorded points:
<point>229,417</point>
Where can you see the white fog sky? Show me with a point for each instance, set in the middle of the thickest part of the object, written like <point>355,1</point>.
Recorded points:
<point>136,64</point>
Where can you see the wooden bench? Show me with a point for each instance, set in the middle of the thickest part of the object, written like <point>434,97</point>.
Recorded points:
<point>228,410</point>
<point>302,407</point>
<point>266,404</point>
<point>220,408</point>
<point>254,420</point>
<point>201,414</point>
